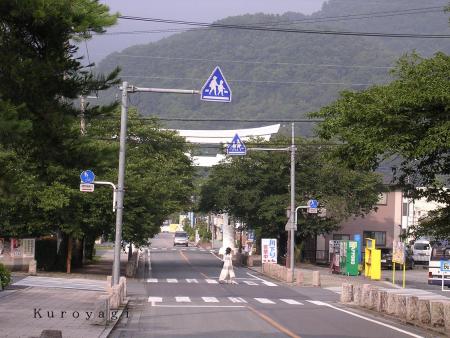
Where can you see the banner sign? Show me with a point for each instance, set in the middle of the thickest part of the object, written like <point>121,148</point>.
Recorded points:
<point>398,252</point>
<point>269,250</point>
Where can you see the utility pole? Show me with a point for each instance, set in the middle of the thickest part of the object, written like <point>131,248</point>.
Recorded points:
<point>121,176</point>
<point>82,120</point>
<point>120,185</point>
<point>293,211</point>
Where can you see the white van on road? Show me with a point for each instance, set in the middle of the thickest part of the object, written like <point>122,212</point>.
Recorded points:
<point>421,251</point>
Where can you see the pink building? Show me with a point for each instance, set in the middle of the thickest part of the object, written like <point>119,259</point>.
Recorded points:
<point>384,225</point>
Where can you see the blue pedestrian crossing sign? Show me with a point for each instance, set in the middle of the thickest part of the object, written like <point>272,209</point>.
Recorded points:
<point>216,88</point>
<point>313,204</point>
<point>87,176</point>
<point>237,147</point>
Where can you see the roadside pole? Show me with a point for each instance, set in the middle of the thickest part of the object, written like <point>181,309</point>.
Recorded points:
<point>120,185</point>
<point>293,211</point>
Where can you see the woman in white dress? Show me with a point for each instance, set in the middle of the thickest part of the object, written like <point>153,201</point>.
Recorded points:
<point>227,274</point>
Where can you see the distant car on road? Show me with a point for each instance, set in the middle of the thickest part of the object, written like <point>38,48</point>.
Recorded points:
<point>180,238</point>
<point>386,259</point>
<point>422,251</point>
<point>165,228</point>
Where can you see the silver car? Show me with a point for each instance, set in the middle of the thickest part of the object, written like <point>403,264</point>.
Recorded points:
<point>180,238</point>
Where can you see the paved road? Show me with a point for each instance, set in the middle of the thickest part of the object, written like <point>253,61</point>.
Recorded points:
<point>181,298</point>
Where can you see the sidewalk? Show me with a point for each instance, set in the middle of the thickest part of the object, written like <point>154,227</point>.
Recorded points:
<point>58,303</point>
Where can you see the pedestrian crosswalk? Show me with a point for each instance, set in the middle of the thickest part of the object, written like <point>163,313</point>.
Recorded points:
<point>64,283</point>
<point>242,281</point>
<point>224,301</point>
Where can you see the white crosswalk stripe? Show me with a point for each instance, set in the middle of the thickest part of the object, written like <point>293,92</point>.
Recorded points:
<point>182,299</point>
<point>210,299</point>
<point>191,280</point>
<point>152,280</point>
<point>269,283</point>
<point>264,300</point>
<point>155,299</point>
<point>237,300</point>
<point>211,281</point>
<point>291,301</point>
<point>172,280</point>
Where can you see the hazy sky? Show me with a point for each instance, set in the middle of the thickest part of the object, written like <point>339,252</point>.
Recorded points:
<point>193,10</point>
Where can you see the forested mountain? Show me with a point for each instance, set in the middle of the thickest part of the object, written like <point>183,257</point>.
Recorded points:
<point>278,75</point>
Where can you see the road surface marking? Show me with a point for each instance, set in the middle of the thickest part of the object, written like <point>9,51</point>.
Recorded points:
<point>182,299</point>
<point>191,280</point>
<point>152,280</point>
<point>163,248</point>
<point>272,322</point>
<point>262,280</point>
<point>365,318</point>
<point>269,283</point>
<point>264,300</point>
<point>249,282</point>
<point>174,249</point>
<point>237,300</point>
<point>211,281</point>
<point>154,300</point>
<point>210,299</point>
<point>172,280</point>
<point>291,301</point>
<point>202,306</point>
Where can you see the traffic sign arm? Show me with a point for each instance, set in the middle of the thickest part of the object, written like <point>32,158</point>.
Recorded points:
<point>114,191</point>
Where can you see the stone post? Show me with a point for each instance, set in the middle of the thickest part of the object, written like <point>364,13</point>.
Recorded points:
<point>289,276</point>
<point>437,313</point>
<point>447,316</point>
<point>381,305</point>
<point>391,300</point>
<point>123,280</point>
<point>32,267</point>
<point>365,299</point>
<point>424,311</point>
<point>411,308</point>
<point>347,293</point>
<point>373,298</point>
<point>400,306</point>
<point>299,277</point>
<point>101,311</point>
<point>357,294</point>
<point>114,298</point>
<point>316,278</point>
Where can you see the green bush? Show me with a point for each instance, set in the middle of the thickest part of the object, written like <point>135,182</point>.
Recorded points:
<point>5,276</point>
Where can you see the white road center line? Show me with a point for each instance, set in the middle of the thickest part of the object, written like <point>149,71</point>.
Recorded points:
<point>291,301</point>
<point>182,299</point>
<point>264,300</point>
<point>211,281</point>
<point>152,280</point>
<point>172,280</point>
<point>210,299</point>
<point>237,300</point>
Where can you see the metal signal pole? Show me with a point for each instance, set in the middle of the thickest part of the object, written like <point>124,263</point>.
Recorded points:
<point>292,216</point>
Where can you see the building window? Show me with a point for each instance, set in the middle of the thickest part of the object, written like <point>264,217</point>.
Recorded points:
<point>378,236</point>
<point>341,237</point>
<point>405,209</point>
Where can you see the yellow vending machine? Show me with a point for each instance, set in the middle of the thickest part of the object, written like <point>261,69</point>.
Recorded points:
<point>372,260</point>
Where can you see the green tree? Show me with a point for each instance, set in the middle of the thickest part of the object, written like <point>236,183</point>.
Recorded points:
<point>40,142</point>
<point>255,189</point>
<point>405,122</point>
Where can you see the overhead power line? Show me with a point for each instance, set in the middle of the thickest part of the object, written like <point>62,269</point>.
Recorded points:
<point>286,30</point>
<point>371,15</point>
<point>194,119</point>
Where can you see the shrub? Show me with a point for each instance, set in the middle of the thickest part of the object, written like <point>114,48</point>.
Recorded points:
<point>5,276</point>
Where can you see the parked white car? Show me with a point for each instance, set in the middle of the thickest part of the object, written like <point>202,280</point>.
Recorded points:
<point>421,251</point>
